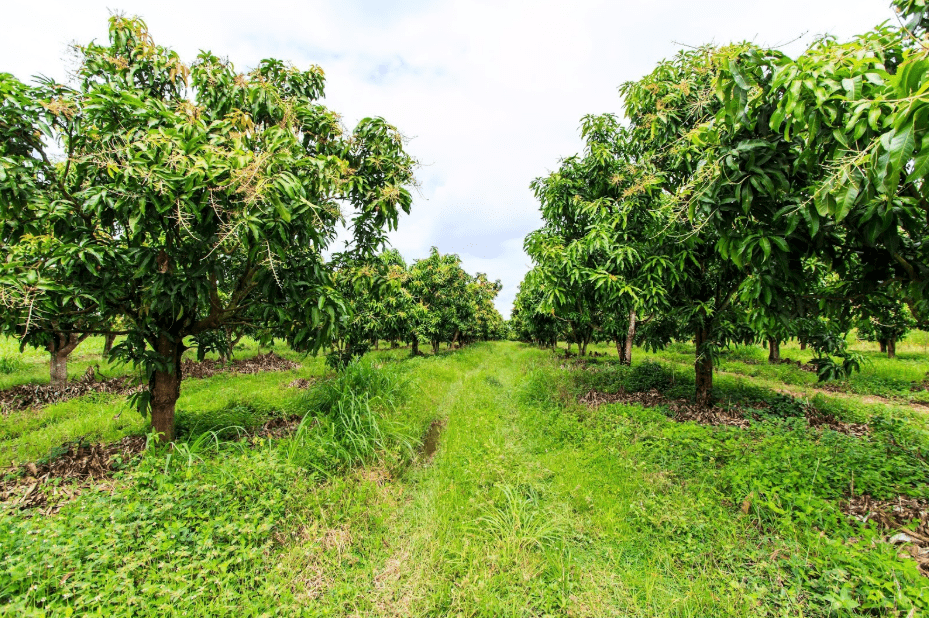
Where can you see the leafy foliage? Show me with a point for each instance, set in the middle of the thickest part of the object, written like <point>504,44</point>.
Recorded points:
<point>191,198</point>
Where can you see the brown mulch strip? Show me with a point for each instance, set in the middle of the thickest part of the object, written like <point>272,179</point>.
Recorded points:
<point>898,516</point>
<point>83,464</point>
<point>262,362</point>
<point>733,416</point>
<point>25,396</point>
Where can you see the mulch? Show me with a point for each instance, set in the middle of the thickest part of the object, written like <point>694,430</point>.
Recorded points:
<point>83,465</point>
<point>733,416</point>
<point>25,396</point>
<point>279,427</point>
<point>897,516</point>
<point>262,362</point>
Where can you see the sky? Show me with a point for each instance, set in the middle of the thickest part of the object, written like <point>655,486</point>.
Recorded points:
<point>489,93</point>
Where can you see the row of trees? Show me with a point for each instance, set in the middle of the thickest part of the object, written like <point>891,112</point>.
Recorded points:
<point>175,204</point>
<point>192,205</point>
<point>433,300</point>
<point>748,195</point>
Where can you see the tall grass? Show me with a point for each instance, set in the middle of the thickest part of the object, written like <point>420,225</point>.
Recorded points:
<point>348,422</point>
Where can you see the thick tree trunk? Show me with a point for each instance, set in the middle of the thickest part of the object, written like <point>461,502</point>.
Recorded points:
<point>774,351</point>
<point>435,346</point>
<point>802,344</point>
<point>59,348</point>
<point>883,343</point>
<point>582,347</point>
<point>108,342</point>
<point>891,348</point>
<point>165,387</point>
<point>58,370</point>
<point>630,336</point>
<point>703,368</point>
<point>414,351</point>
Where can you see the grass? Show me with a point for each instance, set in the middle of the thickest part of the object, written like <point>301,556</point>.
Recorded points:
<point>219,401</point>
<point>532,505</point>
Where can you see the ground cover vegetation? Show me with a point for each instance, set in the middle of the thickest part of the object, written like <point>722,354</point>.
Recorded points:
<point>487,481</point>
<point>752,231</point>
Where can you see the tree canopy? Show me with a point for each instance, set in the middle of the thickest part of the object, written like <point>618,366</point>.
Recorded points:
<point>187,199</point>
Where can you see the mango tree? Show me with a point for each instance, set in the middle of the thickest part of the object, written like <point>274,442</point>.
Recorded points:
<point>857,115</point>
<point>441,285</point>
<point>187,177</point>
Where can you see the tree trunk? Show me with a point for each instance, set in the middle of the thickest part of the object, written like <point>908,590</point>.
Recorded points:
<point>774,351</point>
<point>108,342</point>
<point>377,344</point>
<point>891,348</point>
<point>703,368</point>
<point>394,344</point>
<point>435,346</point>
<point>621,351</point>
<point>165,387</point>
<point>802,344</point>
<point>883,343</point>
<point>582,347</point>
<point>58,370</point>
<point>415,347</point>
<point>59,348</point>
<point>630,336</point>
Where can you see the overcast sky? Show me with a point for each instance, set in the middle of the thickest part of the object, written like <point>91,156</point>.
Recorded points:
<point>489,93</point>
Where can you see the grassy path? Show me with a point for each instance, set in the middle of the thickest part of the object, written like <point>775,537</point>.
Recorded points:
<point>520,514</point>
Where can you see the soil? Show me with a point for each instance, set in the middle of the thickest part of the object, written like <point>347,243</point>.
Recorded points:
<point>431,439</point>
<point>733,416</point>
<point>25,396</point>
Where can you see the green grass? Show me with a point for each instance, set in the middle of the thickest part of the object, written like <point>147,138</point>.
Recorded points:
<point>532,505</point>
<point>879,376</point>
<point>219,401</point>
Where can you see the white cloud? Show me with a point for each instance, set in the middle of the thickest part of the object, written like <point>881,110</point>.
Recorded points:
<point>490,91</point>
